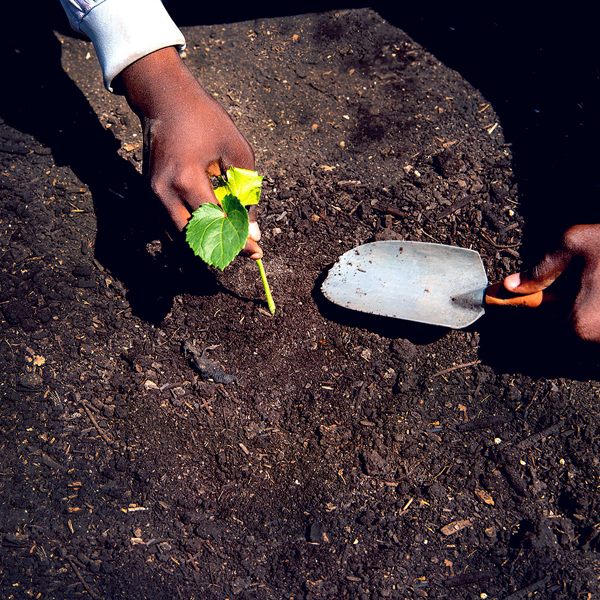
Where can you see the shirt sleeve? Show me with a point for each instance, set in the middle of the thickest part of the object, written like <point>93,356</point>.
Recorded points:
<point>123,31</point>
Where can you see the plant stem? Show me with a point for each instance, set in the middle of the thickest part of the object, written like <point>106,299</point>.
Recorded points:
<point>263,276</point>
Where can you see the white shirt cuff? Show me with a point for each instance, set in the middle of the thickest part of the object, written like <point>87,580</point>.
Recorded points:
<point>123,31</point>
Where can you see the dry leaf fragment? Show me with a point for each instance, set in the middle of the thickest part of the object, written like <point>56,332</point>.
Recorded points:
<point>455,526</point>
<point>490,532</point>
<point>130,147</point>
<point>484,497</point>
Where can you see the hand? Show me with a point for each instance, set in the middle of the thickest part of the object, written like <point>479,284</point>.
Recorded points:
<point>580,243</point>
<point>188,137</point>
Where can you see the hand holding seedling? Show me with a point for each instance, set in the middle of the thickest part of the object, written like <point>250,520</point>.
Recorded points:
<point>579,248</point>
<point>217,233</point>
<point>188,137</point>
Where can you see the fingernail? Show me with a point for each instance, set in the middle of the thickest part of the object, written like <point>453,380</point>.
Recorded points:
<point>512,282</point>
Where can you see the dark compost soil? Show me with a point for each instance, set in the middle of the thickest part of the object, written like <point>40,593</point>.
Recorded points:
<point>353,456</point>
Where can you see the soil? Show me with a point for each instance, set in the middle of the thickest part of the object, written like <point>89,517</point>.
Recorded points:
<point>327,453</point>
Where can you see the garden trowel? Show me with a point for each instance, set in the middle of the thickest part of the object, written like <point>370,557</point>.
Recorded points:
<point>417,281</point>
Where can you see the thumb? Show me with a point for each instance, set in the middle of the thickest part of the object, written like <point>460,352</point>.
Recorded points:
<point>541,275</point>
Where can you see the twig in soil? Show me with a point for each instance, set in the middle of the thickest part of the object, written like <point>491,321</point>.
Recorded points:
<point>482,423</point>
<point>360,396</point>
<point>429,236</point>
<point>470,578</point>
<point>207,407</point>
<point>531,402</point>
<point>514,479</point>
<point>524,592</point>
<point>455,206</point>
<point>8,344</point>
<point>94,422</point>
<point>355,208</point>
<point>88,589</point>
<point>46,459</point>
<point>387,209</point>
<point>443,469</point>
<point>312,85</point>
<point>536,437</point>
<point>498,246</point>
<point>455,367</point>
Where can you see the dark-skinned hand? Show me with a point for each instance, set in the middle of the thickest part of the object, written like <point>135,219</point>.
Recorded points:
<point>188,137</point>
<point>580,244</point>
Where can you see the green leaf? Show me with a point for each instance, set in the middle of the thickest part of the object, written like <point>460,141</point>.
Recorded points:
<point>242,183</point>
<point>217,234</point>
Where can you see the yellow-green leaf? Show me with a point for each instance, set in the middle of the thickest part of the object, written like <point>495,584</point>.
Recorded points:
<point>242,183</point>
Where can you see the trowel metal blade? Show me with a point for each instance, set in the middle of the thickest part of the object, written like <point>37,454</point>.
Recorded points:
<point>416,281</point>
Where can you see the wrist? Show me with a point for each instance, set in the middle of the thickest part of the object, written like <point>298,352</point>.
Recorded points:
<point>152,81</point>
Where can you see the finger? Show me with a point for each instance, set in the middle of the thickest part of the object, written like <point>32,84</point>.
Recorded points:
<point>177,211</point>
<point>252,250</point>
<point>541,276</point>
<point>203,192</point>
<point>241,156</point>
<point>195,188</point>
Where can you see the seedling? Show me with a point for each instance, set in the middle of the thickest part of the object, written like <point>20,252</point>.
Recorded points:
<point>217,232</point>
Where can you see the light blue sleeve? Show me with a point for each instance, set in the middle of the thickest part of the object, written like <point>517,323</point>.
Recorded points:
<point>123,31</point>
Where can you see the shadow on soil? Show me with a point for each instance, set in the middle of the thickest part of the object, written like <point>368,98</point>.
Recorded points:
<point>539,344</point>
<point>48,105</point>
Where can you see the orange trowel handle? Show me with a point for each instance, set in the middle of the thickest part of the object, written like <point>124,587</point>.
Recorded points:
<point>497,295</point>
